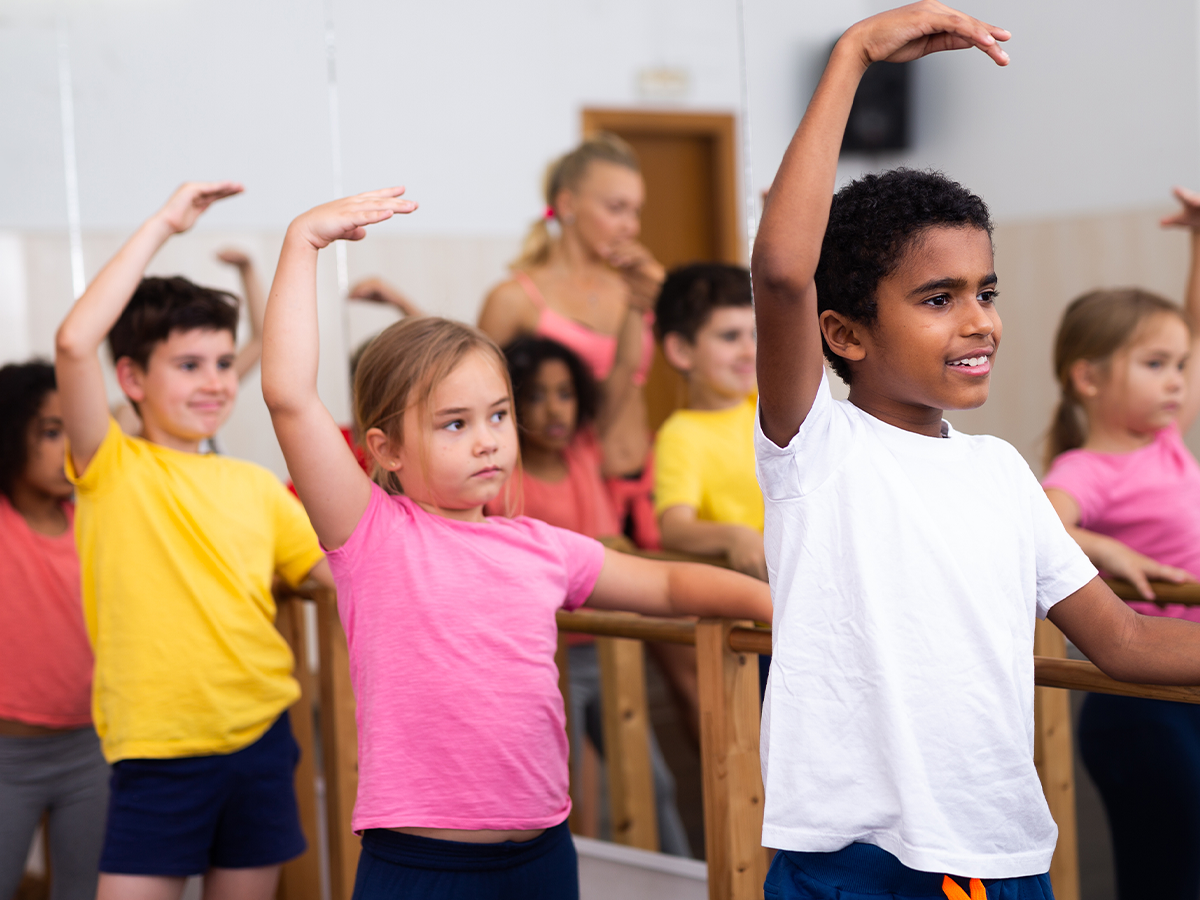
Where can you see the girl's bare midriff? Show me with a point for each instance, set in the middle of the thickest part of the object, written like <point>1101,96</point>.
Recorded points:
<point>482,836</point>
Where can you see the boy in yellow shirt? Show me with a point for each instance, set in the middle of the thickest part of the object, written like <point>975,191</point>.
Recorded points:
<point>177,552</point>
<point>705,489</point>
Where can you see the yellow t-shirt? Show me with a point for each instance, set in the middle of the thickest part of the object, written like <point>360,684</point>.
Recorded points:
<point>177,552</point>
<point>705,459</point>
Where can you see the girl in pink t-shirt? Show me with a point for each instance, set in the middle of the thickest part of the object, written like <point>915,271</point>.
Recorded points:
<point>50,760</point>
<point>1128,490</point>
<point>449,615</point>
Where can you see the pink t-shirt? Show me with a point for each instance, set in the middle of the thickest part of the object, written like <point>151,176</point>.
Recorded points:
<point>580,502</point>
<point>452,637</point>
<point>1148,500</point>
<point>45,657</point>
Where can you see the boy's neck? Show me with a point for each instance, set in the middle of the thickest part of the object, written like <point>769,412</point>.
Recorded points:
<point>42,512</point>
<point>157,435</point>
<point>922,420</point>
<point>702,397</point>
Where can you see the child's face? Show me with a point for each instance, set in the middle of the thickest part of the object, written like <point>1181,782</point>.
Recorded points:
<point>460,449</point>
<point>45,449</point>
<point>933,344</point>
<point>606,209</point>
<point>549,408</point>
<point>719,365</point>
<point>1145,384</point>
<point>187,390</point>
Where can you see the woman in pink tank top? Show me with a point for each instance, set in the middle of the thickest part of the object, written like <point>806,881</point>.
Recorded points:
<point>590,287</point>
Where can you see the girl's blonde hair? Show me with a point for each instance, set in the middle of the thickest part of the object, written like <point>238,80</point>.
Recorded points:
<point>566,173</point>
<point>1093,328</point>
<point>402,367</point>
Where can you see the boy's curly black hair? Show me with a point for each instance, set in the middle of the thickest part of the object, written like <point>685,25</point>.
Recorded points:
<point>873,222</point>
<point>23,389</point>
<point>526,355</point>
<point>691,293</point>
<point>160,306</point>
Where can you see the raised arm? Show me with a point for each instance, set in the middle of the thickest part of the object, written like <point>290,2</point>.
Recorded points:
<point>83,331</point>
<point>376,290</point>
<point>656,588</point>
<point>333,488</point>
<point>1189,217</point>
<point>256,307</point>
<point>788,244</point>
<point>1109,554</point>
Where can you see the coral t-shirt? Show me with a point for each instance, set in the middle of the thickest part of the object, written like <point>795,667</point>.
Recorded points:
<point>1148,500</point>
<point>451,633</point>
<point>45,657</point>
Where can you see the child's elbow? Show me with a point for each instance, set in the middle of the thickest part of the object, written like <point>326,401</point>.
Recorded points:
<point>69,344</point>
<point>776,273</point>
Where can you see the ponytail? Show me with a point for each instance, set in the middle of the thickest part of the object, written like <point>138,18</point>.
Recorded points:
<point>567,173</point>
<point>1093,328</point>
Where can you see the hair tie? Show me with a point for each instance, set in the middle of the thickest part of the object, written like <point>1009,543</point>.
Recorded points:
<point>549,213</point>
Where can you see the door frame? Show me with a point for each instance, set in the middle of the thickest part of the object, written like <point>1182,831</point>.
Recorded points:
<point>720,128</point>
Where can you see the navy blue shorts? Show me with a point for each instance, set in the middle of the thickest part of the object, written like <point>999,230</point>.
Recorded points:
<point>184,816</point>
<point>395,865</point>
<point>864,871</point>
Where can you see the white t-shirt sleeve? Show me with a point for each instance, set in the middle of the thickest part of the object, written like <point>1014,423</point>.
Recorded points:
<point>812,455</point>
<point>1062,567</point>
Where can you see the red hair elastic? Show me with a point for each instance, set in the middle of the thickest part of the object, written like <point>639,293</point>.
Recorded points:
<point>549,213</point>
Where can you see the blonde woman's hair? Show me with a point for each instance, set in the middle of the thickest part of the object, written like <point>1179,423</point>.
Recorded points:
<point>567,173</point>
<point>1093,328</point>
<point>402,367</point>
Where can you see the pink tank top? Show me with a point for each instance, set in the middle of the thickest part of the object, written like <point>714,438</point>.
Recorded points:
<point>598,351</point>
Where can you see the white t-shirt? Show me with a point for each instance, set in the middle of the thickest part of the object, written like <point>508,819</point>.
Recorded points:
<point>907,572</point>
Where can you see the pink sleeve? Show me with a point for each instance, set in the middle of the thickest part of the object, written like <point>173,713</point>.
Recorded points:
<point>1081,475</point>
<point>584,557</point>
<point>347,556</point>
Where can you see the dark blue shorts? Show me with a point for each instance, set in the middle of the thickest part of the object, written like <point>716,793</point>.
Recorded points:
<point>184,816</point>
<point>394,865</point>
<point>864,871</point>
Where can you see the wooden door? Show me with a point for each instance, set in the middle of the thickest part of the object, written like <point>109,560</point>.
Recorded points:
<point>688,162</point>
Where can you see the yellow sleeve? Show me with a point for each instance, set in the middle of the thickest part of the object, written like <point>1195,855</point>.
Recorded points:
<point>108,458</point>
<point>677,475</point>
<point>296,547</point>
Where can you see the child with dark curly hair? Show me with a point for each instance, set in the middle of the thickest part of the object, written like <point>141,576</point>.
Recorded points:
<point>50,760</point>
<point>908,562</point>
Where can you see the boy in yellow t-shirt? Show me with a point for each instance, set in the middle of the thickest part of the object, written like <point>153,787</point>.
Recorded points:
<point>177,552</point>
<point>705,489</point>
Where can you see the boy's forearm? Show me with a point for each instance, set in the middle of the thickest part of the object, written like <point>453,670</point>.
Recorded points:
<point>696,589</point>
<point>686,535</point>
<point>1158,650</point>
<point>97,310</point>
<point>290,331</point>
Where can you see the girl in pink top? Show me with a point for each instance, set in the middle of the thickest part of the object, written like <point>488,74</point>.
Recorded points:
<point>50,760</point>
<point>1128,490</point>
<point>449,615</point>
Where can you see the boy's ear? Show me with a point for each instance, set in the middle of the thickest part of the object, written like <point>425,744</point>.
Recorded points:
<point>844,336</point>
<point>677,351</point>
<point>379,445</point>
<point>1085,379</point>
<point>131,377</point>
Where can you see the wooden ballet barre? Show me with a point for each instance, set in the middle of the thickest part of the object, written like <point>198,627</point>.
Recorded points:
<point>1081,675</point>
<point>1164,592</point>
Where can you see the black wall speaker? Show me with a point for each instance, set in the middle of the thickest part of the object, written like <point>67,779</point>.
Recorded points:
<point>879,116</point>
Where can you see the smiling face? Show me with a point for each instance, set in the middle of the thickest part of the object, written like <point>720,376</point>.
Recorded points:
<point>460,448</point>
<point>719,364</point>
<point>549,408</point>
<point>45,449</point>
<point>1142,387</point>
<point>605,209</point>
<point>933,343</point>
<point>187,389</point>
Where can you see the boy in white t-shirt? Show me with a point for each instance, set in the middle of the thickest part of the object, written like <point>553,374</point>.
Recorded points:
<point>908,562</point>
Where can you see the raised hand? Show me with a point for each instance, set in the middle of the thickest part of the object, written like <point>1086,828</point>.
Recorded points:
<point>376,290</point>
<point>643,273</point>
<point>234,257</point>
<point>190,201</point>
<point>346,219</point>
<point>1189,213</point>
<point>919,29</point>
